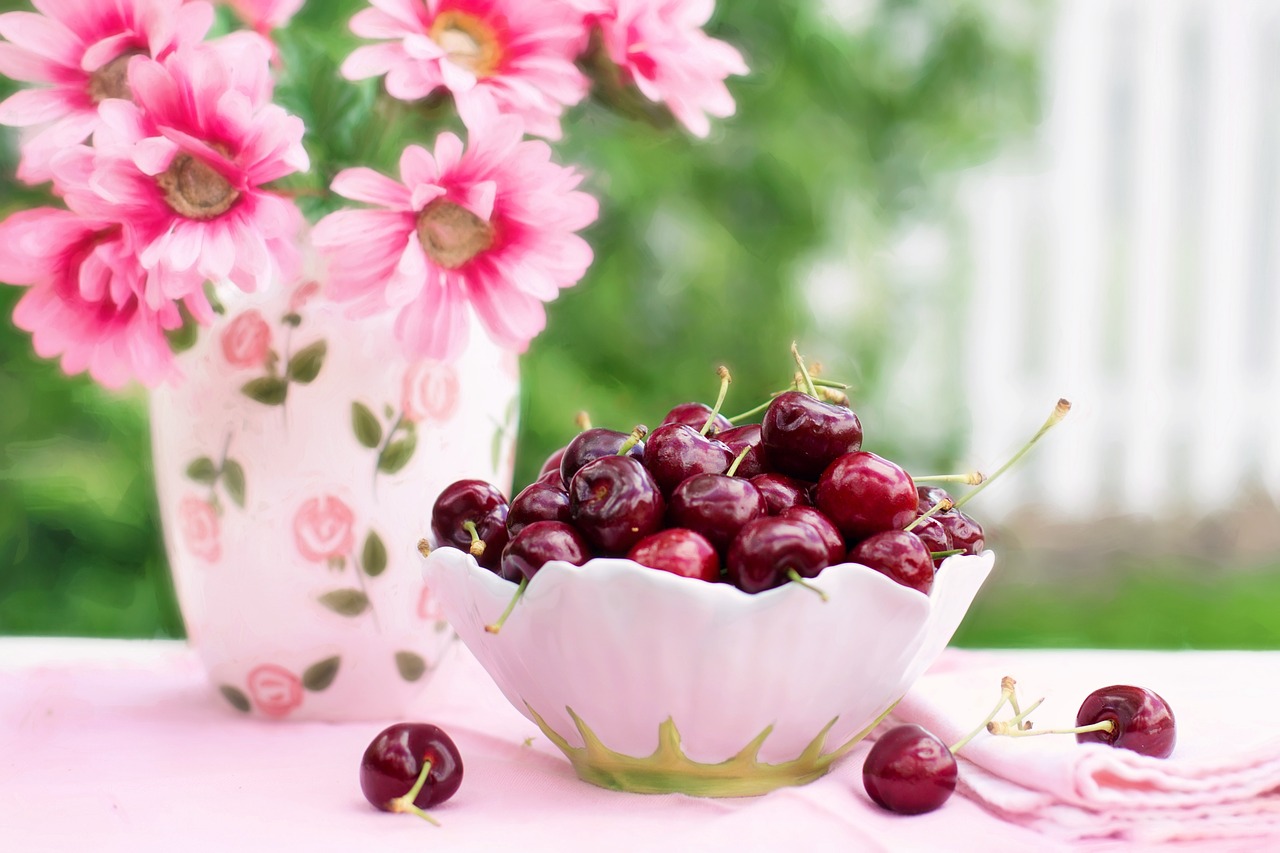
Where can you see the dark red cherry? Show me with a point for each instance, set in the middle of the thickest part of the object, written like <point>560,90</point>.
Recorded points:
<point>863,493</point>
<point>716,506</point>
<point>1142,721</point>
<point>909,771</point>
<point>934,536</point>
<point>695,415</point>
<point>458,503</point>
<point>782,492</point>
<point>540,542</point>
<point>831,537</point>
<point>675,452</point>
<point>679,551</point>
<point>394,760</point>
<point>769,548</point>
<point>592,444</point>
<point>492,531</point>
<point>964,531</point>
<point>899,554</point>
<point>932,495</point>
<point>552,463</point>
<point>615,503</point>
<point>538,501</point>
<point>738,439</point>
<point>803,434</point>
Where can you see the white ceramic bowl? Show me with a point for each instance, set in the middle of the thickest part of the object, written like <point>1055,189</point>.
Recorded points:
<point>652,682</point>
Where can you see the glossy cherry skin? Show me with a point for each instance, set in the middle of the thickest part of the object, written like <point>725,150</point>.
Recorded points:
<point>782,492</point>
<point>393,761</point>
<point>675,452</point>
<point>929,496</point>
<point>964,531</point>
<point>552,462</point>
<point>768,548</point>
<point>492,531</point>
<point>592,444</point>
<point>615,503</point>
<point>679,551</point>
<point>909,771</point>
<point>538,501</point>
<point>803,435</point>
<point>1142,720</point>
<point>738,439</point>
<point>540,542</point>
<point>458,503</point>
<point>863,493</point>
<point>831,537</point>
<point>716,506</point>
<point>695,415</point>
<point>899,554</point>
<point>934,536</point>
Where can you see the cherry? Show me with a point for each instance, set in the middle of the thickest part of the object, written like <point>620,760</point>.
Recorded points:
<point>739,439</point>
<point>964,531</point>
<point>803,435</point>
<point>680,551</point>
<point>909,771</point>
<point>675,452</point>
<point>930,496</point>
<point>552,463</point>
<point>592,444</point>
<point>538,501</point>
<point>1139,720</point>
<point>459,504</point>
<point>696,415</point>
<point>830,536</point>
<point>782,492</point>
<point>491,537</point>
<point>770,550</point>
<point>863,493</point>
<point>899,554</point>
<point>934,536</point>
<point>410,767</point>
<point>716,506</point>
<point>615,503</point>
<point>540,542</point>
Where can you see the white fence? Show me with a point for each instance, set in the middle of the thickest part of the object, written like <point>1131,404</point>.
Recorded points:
<point>1133,265</point>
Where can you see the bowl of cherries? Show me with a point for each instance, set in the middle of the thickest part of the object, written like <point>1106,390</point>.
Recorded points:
<point>713,607</point>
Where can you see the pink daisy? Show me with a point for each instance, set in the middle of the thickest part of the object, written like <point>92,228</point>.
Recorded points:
<point>78,50</point>
<point>265,15</point>
<point>183,166</point>
<point>660,45</point>
<point>517,54</point>
<point>491,226</point>
<point>84,298</point>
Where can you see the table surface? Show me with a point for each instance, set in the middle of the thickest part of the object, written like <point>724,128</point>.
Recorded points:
<point>122,745</point>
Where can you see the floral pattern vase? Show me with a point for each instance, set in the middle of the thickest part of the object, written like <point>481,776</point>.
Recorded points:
<point>296,463</point>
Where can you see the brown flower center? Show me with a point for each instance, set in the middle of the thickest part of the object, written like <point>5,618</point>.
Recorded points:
<point>194,189</point>
<point>451,235</point>
<point>468,41</point>
<point>112,79</point>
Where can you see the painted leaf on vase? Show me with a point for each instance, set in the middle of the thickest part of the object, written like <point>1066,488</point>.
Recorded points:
<point>346,602</point>
<point>398,453</point>
<point>374,557</point>
<point>365,425</point>
<point>233,481</point>
<point>235,696</point>
<point>321,674</point>
<point>268,390</point>
<point>500,434</point>
<point>305,364</point>
<point>411,666</point>
<point>293,319</point>
<point>203,470</point>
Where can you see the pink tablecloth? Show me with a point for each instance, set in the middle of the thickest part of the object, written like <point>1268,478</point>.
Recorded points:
<point>122,746</point>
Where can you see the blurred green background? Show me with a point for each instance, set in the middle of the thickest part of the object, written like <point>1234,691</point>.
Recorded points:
<point>849,125</point>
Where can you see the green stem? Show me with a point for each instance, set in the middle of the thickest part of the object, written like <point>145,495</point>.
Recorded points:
<point>1055,417</point>
<point>725,379</point>
<point>405,805</point>
<point>1006,694</point>
<point>797,578</point>
<point>804,371</point>
<point>940,506</point>
<point>733,469</point>
<point>502,620</point>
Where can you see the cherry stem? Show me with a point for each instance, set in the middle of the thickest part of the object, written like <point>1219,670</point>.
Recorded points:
<point>1016,722</point>
<point>725,379</point>
<point>404,805</point>
<point>502,620</point>
<point>797,578</point>
<point>1101,726</point>
<point>733,469</point>
<point>583,421</point>
<point>1055,417</point>
<point>424,547</point>
<point>1006,695</point>
<point>804,371</point>
<point>972,478</point>
<point>942,555</point>
<point>637,436</point>
<point>751,412</point>
<point>940,506</point>
<point>477,544</point>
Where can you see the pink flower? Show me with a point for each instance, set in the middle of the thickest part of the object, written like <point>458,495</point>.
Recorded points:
<point>265,15</point>
<point>322,529</point>
<point>517,55</point>
<point>275,690</point>
<point>491,226</point>
<point>429,607</point>
<point>660,45</point>
<point>84,300</point>
<point>183,165</point>
<point>198,521</point>
<point>79,50</point>
<point>246,340</point>
<point>430,392</point>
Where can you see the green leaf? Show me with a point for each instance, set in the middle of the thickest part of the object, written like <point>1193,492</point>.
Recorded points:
<point>235,696</point>
<point>320,675</point>
<point>398,454</point>
<point>203,470</point>
<point>185,336</point>
<point>411,666</point>
<point>365,425</point>
<point>346,602</point>
<point>233,481</point>
<point>268,390</point>
<point>374,557</point>
<point>305,365</point>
